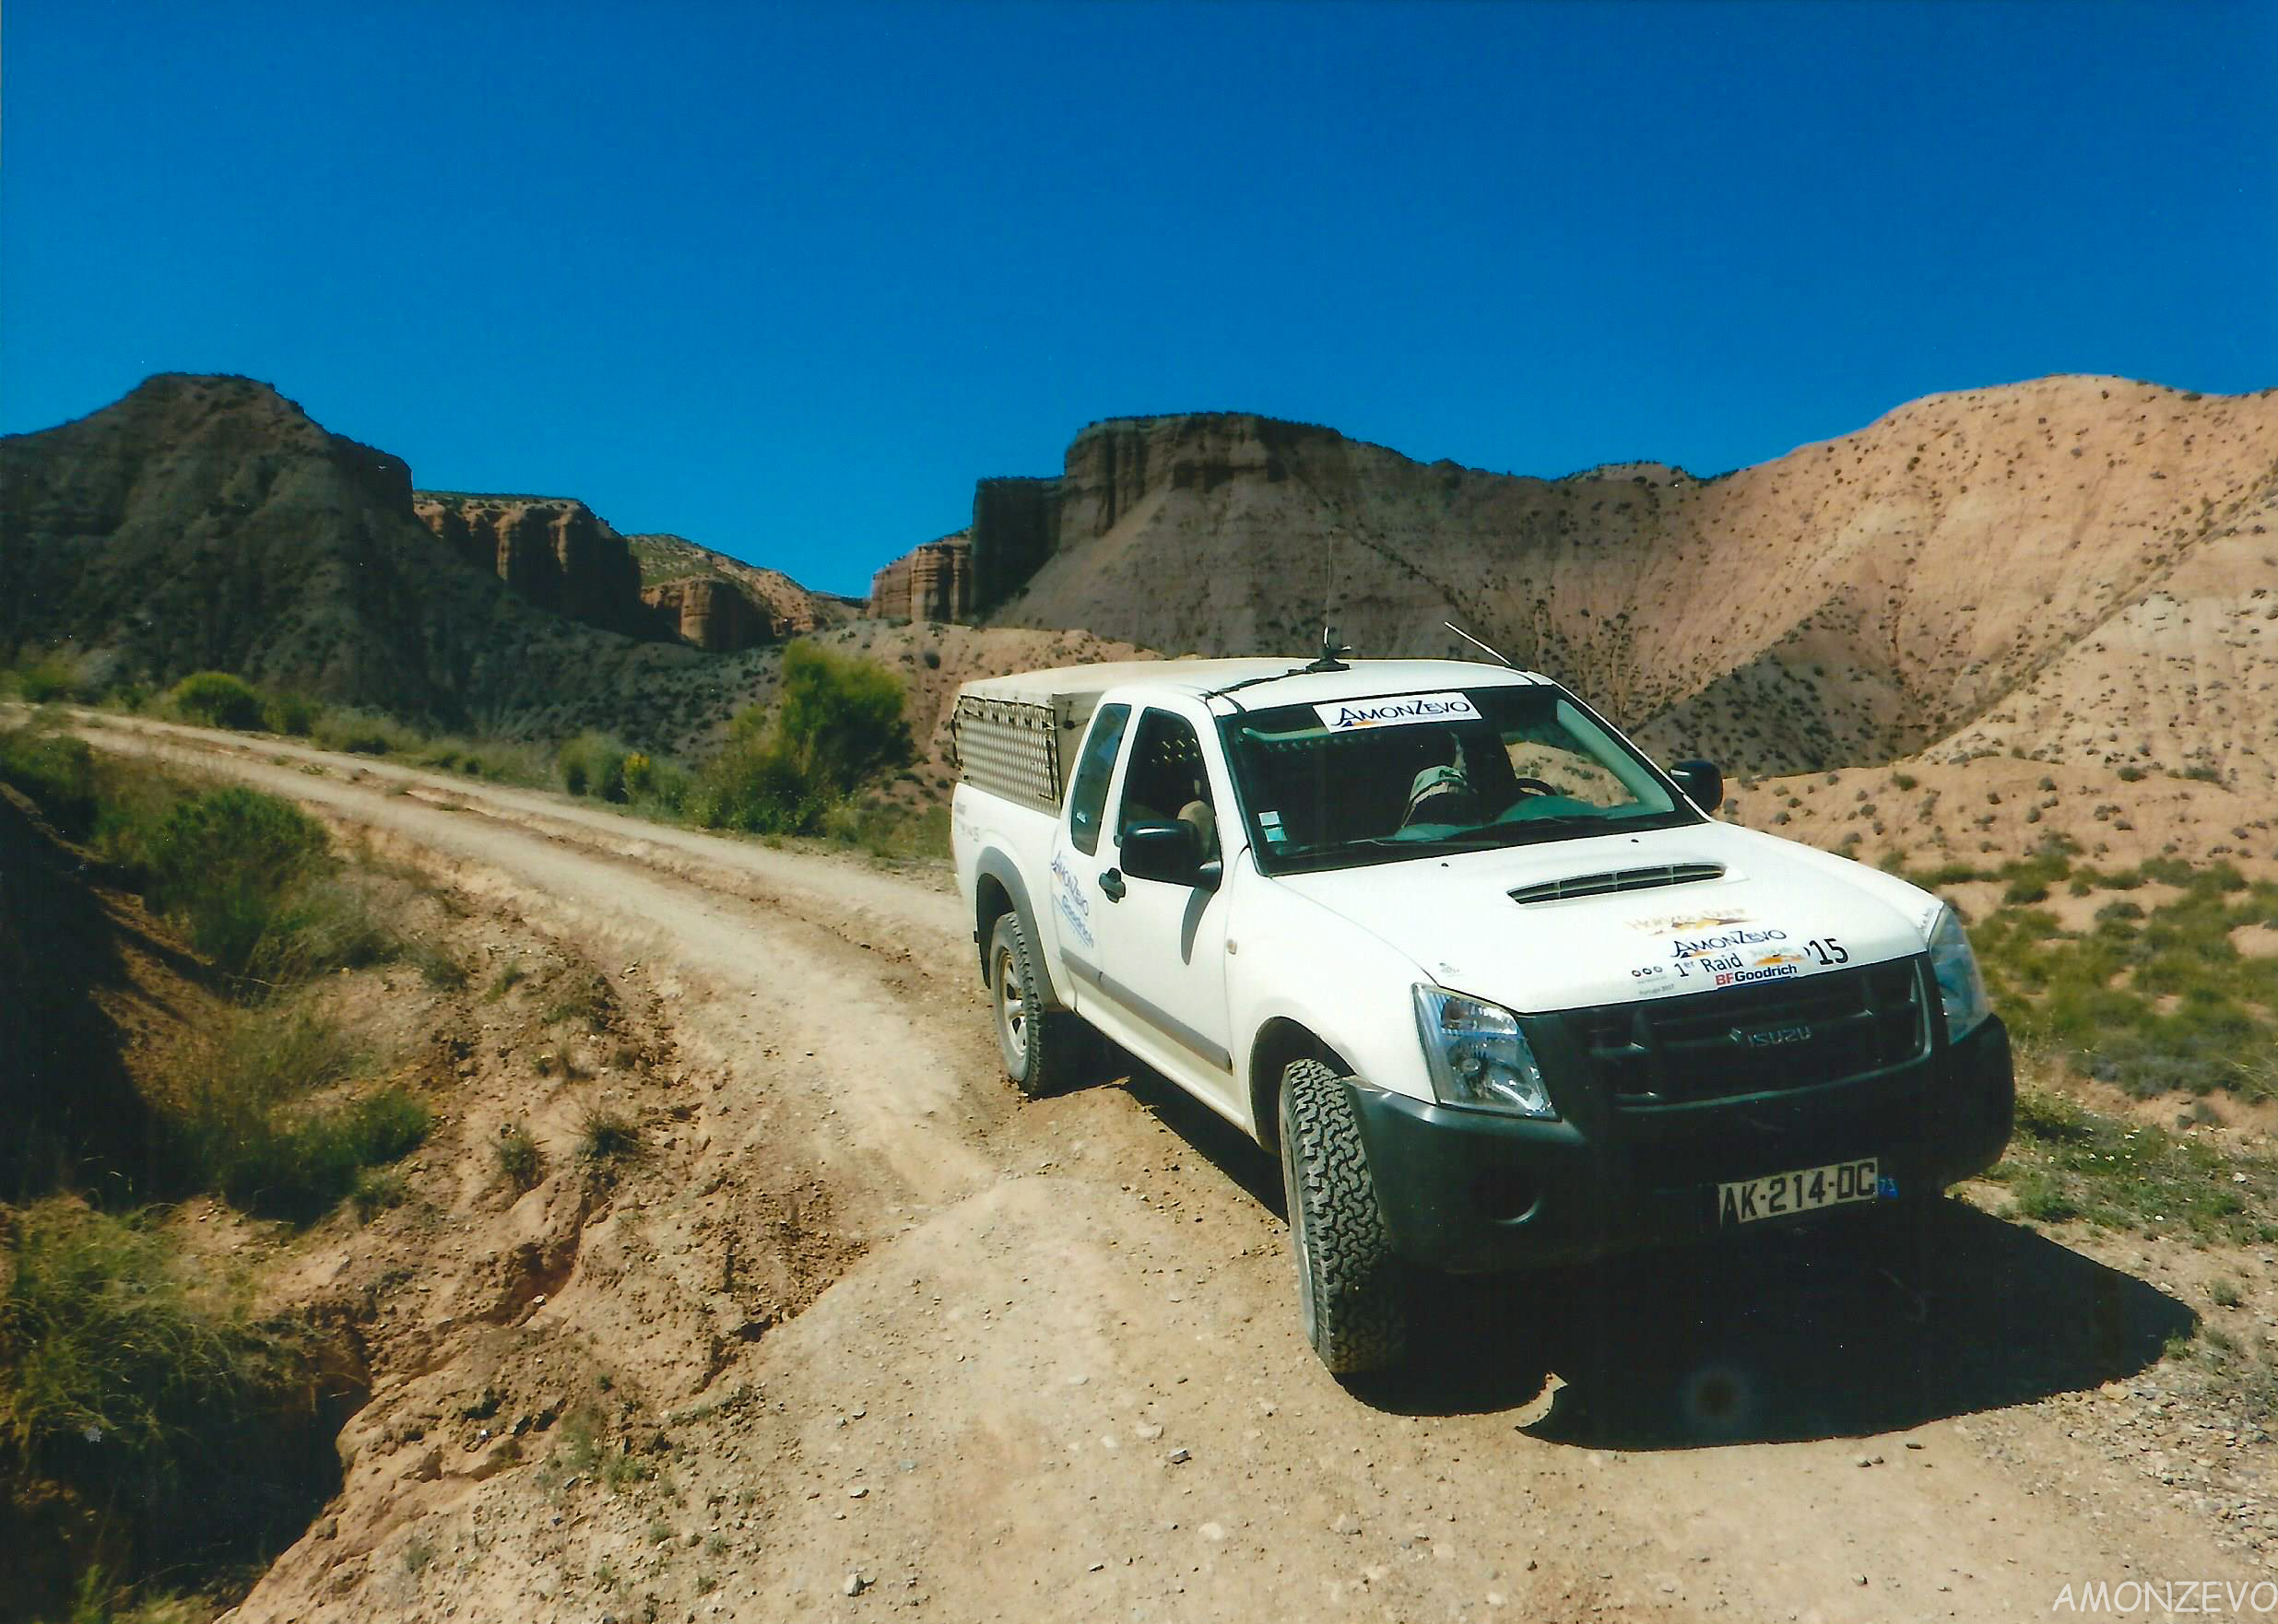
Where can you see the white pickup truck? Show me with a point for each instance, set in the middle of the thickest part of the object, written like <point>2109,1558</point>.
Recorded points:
<point>1493,985</point>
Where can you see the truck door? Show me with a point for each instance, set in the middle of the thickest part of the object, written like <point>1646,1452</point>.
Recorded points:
<point>1159,982</point>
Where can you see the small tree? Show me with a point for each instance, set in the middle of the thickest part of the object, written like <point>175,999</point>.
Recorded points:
<point>840,724</point>
<point>841,717</point>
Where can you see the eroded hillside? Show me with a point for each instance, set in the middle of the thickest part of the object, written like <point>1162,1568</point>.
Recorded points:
<point>1996,568</point>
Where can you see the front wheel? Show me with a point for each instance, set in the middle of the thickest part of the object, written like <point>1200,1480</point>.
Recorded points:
<point>1350,1286</point>
<point>1041,1046</point>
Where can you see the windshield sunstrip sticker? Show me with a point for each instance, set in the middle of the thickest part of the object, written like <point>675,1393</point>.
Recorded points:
<point>1401,711</point>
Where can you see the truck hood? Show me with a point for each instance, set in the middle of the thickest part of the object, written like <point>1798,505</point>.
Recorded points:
<point>1777,911</point>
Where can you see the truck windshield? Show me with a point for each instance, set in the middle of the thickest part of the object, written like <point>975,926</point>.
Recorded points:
<point>1400,775</point>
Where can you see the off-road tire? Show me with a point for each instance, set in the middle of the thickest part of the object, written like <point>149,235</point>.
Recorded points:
<point>1042,1048</point>
<point>1350,1288</point>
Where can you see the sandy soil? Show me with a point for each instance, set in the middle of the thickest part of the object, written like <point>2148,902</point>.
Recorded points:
<point>1042,1362</point>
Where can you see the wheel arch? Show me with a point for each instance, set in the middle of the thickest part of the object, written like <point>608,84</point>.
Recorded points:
<point>1281,1041</point>
<point>996,889</point>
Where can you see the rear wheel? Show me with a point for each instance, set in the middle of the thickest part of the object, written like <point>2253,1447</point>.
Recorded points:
<point>1042,1046</point>
<point>1349,1284</point>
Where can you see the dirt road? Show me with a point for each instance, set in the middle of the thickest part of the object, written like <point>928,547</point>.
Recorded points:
<point>1055,1372</point>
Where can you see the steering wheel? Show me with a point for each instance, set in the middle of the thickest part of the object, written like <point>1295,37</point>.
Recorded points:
<point>1535,786</point>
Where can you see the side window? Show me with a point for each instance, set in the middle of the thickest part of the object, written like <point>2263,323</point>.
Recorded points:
<point>1093,772</point>
<point>1166,781</point>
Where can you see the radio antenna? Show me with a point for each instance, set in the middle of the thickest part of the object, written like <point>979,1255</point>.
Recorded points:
<point>1330,649</point>
<point>1475,643</point>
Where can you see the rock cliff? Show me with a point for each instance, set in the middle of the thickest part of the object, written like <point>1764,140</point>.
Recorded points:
<point>934,582</point>
<point>715,602</point>
<point>555,551</point>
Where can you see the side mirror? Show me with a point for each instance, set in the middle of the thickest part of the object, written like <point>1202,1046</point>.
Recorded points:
<point>1167,852</point>
<point>1702,782</point>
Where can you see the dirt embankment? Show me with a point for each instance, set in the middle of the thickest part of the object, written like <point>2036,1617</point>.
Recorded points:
<point>855,1330</point>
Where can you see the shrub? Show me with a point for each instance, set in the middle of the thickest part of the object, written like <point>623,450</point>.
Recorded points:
<point>839,725</point>
<point>57,772</point>
<point>592,764</point>
<point>116,1381</point>
<point>520,1162</point>
<point>45,682</point>
<point>228,861</point>
<point>841,716</point>
<point>247,1131</point>
<point>215,699</point>
<point>376,1190</point>
<point>607,1134</point>
<point>289,713</point>
<point>362,733</point>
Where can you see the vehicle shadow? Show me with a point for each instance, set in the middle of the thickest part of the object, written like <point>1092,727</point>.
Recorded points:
<point>1856,1325</point>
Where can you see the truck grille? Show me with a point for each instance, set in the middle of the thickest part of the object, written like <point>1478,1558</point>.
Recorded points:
<point>1791,1034</point>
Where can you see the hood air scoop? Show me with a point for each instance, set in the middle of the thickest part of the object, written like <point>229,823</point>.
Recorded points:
<point>1620,879</point>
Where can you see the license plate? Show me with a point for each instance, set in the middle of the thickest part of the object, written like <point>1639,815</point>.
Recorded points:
<point>1805,1190</point>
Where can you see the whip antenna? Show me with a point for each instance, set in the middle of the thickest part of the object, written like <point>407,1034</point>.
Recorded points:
<point>1475,643</point>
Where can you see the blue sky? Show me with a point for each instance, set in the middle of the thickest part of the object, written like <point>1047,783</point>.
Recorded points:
<point>787,279</point>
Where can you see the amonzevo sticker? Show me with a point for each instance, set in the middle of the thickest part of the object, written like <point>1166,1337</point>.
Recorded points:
<point>1397,710</point>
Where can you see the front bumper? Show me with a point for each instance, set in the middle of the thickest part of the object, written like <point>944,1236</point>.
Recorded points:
<point>1468,1191</point>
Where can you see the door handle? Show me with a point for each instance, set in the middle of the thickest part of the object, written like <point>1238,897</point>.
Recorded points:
<point>1112,883</point>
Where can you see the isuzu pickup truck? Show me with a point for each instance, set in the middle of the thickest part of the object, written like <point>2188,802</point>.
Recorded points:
<point>1495,988</point>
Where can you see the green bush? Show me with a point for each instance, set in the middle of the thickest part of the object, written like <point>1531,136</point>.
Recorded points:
<point>520,1161</point>
<point>247,1131</point>
<point>57,772</point>
<point>289,713</point>
<point>230,863</point>
<point>841,716</point>
<point>592,764</point>
<point>45,681</point>
<point>215,699</point>
<point>758,785</point>
<point>363,733</point>
<point>118,1382</point>
<point>840,724</point>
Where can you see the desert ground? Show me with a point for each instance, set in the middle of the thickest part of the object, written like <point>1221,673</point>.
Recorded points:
<point>857,1331</point>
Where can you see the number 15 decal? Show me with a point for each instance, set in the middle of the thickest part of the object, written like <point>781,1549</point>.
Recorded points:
<point>1827,950</point>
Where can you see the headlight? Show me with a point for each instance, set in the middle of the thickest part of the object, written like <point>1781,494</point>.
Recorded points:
<point>1478,1055</point>
<point>1960,987</point>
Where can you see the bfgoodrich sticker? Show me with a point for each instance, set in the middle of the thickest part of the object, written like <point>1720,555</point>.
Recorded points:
<point>1403,710</point>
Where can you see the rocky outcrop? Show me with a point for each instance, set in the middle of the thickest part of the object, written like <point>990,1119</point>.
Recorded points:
<point>770,606</point>
<point>555,551</point>
<point>1111,470</point>
<point>708,613</point>
<point>932,583</point>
